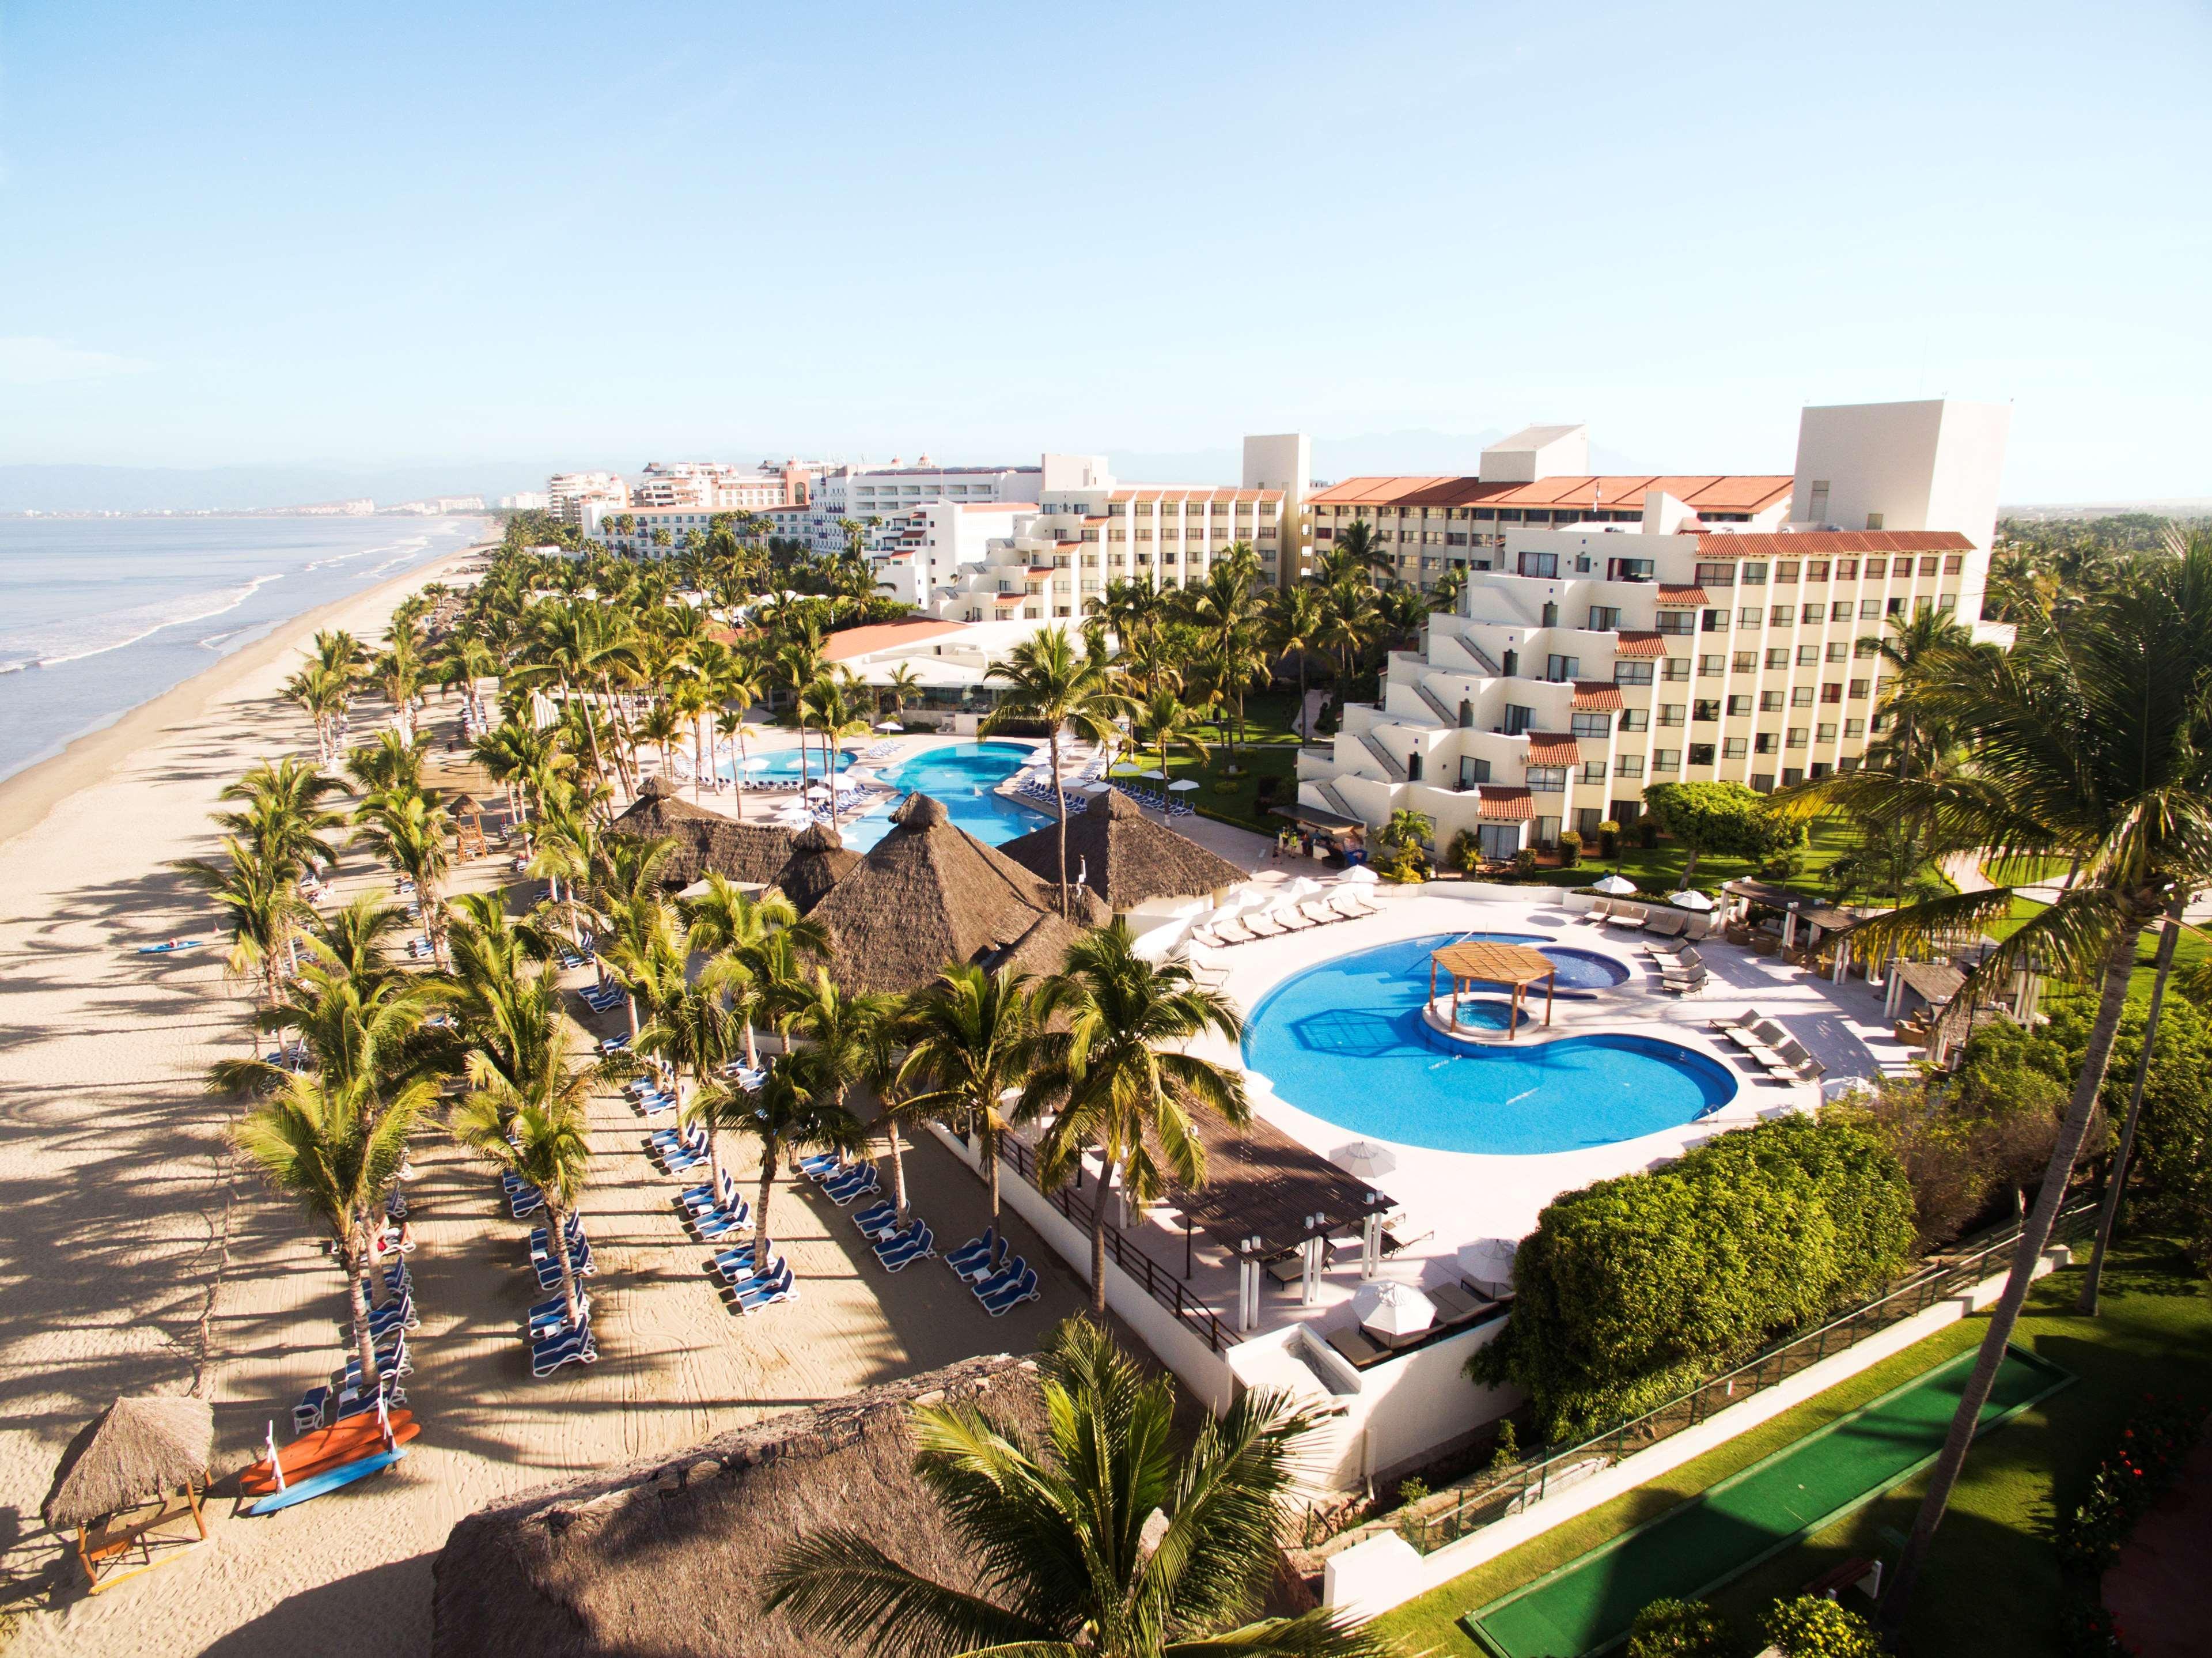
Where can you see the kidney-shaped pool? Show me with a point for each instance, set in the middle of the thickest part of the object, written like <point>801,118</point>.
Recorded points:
<point>1344,1041</point>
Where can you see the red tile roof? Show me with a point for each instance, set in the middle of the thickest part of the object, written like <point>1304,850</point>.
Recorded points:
<point>1671,594</point>
<point>1552,748</point>
<point>1197,497</point>
<point>1821,543</point>
<point>1639,643</point>
<point>1503,804</point>
<point>1708,492</point>
<point>881,635</point>
<point>1593,695</point>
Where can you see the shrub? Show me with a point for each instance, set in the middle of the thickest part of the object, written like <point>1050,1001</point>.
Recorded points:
<point>2144,1463</point>
<point>1725,818</point>
<point>1632,1289</point>
<point>1681,1629</point>
<point>1264,787</point>
<point>1524,862</point>
<point>1505,1450</point>
<point>1465,855</point>
<point>1571,848</point>
<point>1961,1146</point>
<point>1608,839</point>
<point>1813,1627</point>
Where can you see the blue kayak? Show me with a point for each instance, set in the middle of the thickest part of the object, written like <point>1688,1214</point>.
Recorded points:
<point>329,1480</point>
<point>167,945</point>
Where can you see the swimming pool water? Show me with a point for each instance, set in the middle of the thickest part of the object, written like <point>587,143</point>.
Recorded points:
<point>1579,969</point>
<point>1344,1039</point>
<point>964,776</point>
<point>783,763</point>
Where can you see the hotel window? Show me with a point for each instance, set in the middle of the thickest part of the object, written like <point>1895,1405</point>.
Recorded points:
<point>1763,742</point>
<point>1778,656</point>
<point>1785,570</point>
<point>1840,610</point>
<point>1711,667</point>
<point>1953,563</point>
<point>1808,655</point>
<point>1716,622</point>
<point>1670,714</point>
<point>1859,690</point>
<point>1547,779</point>
<point>1518,719</point>
<point>1929,565</point>
<point>1820,768</point>
<point>1593,771</point>
<point>1752,575</point>
<point>1630,765</point>
<point>1816,569</point>
<point>1604,618</point>
<point>1832,691</point>
<point>1825,731</point>
<point>1812,614</point>
<point>1866,645</point>
<point>1869,608</point>
<point>1748,616</point>
<point>1838,651</point>
<point>1628,569</point>
<point>1782,616</point>
<point>1796,738</point>
<point>1716,576</point>
<point>1762,782</point>
<point>1855,728</point>
<point>1540,564</point>
<point>1738,704</point>
<point>1876,568</point>
<point>1769,701</point>
<point>1801,697</point>
<point>1560,669</point>
<point>1473,771</point>
<point>1631,673</point>
<point>1947,602</point>
<point>1635,719</point>
<point>1847,570</point>
<point>1897,606</point>
<point>1705,710</point>
<point>1598,726</point>
<point>1666,760</point>
<point>1676,668</point>
<point>1734,748</point>
<point>1701,754</point>
<point>1816,509</point>
<point>1746,661</point>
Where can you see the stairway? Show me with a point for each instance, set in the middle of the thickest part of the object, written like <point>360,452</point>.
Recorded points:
<point>1393,768</point>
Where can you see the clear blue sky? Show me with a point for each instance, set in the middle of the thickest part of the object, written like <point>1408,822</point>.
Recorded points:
<point>593,233</point>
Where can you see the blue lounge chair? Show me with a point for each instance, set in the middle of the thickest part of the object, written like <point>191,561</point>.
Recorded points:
<point>972,1258</point>
<point>354,1402</point>
<point>547,1326</point>
<point>308,1412</point>
<point>1002,1301</point>
<point>732,1265</point>
<point>775,1289</point>
<point>574,1348</point>
<point>878,1218</point>
<point>1009,1268</point>
<point>916,1245</point>
<point>719,1222</point>
<point>821,1163</point>
<point>858,1185</point>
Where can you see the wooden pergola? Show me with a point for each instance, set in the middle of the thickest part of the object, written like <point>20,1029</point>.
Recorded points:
<point>1514,965</point>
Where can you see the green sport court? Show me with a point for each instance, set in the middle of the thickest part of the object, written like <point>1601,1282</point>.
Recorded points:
<point>1587,1605</point>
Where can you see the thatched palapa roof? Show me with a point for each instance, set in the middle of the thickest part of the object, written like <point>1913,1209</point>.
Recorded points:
<point>1124,856</point>
<point>665,1556</point>
<point>931,894</point>
<point>818,861</point>
<point>134,1449</point>
<point>704,840</point>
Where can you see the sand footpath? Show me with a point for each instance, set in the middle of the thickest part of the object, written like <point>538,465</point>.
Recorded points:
<point>115,1198</point>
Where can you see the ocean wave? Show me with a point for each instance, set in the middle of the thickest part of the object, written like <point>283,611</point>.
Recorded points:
<point>139,623</point>
<point>417,545</point>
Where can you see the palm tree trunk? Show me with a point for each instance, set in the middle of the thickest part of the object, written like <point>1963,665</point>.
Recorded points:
<point>364,1344</point>
<point>698,763</point>
<point>2116,1180</point>
<point>1059,805</point>
<point>2034,1235</point>
<point>1098,1242</point>
<point>898,1163</point>
<point>768,1151</point>
<point>990,1137</point>
<point>743,758</point>
<point>557,1218</point>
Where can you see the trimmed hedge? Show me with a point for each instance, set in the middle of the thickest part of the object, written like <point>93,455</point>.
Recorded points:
<point>1633,1289</point>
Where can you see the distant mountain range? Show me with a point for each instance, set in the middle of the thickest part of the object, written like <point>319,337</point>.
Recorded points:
<point>246,489</point>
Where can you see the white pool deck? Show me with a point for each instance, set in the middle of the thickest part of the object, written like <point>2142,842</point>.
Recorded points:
<point>1453,1198</point>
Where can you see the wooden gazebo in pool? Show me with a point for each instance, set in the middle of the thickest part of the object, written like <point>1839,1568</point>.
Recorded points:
<point>1514,966</point>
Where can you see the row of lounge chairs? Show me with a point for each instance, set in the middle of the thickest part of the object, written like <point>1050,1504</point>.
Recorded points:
<point>344,1395</point>
<point>1160,800</point>
<point>1681,972</point>
<point>898,1247</point>
<point>1658,920</point>
<point>1771,1046</point>
<point>1281,919</point>
<point>999,1281</point>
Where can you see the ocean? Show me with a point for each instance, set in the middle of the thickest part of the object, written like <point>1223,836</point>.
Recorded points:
<point>99,615</point>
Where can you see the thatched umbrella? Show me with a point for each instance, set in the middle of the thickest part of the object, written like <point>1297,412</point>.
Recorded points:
<point>705,839</point>
<point>1125,857</point>
<point>135,1452</point>
<point>931,894</point>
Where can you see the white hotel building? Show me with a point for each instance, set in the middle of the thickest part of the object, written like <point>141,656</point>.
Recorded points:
<point>1638,640</point>
<point>860,492</point>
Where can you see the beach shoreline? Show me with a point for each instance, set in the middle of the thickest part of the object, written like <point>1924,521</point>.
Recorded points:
<point>28,796</point>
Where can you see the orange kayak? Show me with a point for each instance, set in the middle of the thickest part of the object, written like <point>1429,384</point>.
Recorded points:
<point>325,1449</point>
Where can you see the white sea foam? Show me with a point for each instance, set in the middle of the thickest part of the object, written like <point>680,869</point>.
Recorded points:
<point>119,628</point>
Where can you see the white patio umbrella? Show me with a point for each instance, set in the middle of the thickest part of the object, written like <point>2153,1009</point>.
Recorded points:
<point>1691,899</point>
<point>1156,776</point>
<point>1357,875</point>
<point>1098,788</point>
<point>1489,1261</point>
<point>1363,1158</point>
<point>888,725</point>
<point>1613,886</point>
<point>1393,1310</point>
<point>1182,784</point>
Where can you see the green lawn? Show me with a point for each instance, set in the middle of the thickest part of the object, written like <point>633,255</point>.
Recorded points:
<point>1266,749</point>
<point>1991,1588</point>
<point>1657,871</point>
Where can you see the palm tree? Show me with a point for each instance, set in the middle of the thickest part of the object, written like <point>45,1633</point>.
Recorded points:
<point>1049,679</point>
<point>882,1064</point>
<point>793,1111</point>
<point>261,907</point>
<point>696,1032</point>
<point>903,682</point>
<point>1348,624</point>
<point>972,1034</point>
<point>322,694</point>
<point>539,1133</point>
<point>1165,723</point>
<point>734,927</point>
<point>1293,623</point>
<point>572,646</point>
<point>1110,1066</point>
<point>285,820</point>
<point>1356,552</point>
<point>408,831</point>
<point>1110,1539</point>
<point>389,763</point>
<point>1912,650</point>
<point>335,1146</point>
<point>2084,741</point>
<point>831,704</point>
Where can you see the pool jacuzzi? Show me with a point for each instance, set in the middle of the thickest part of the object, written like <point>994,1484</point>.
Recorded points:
<point>1346,1041</point>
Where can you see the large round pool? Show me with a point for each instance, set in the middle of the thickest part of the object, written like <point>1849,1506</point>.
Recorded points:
<point>1344,1041</point>
<point>782,765</point>
<point>964,776</point>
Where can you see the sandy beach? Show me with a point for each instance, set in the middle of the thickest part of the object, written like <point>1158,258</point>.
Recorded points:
<point>125,1232</point>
